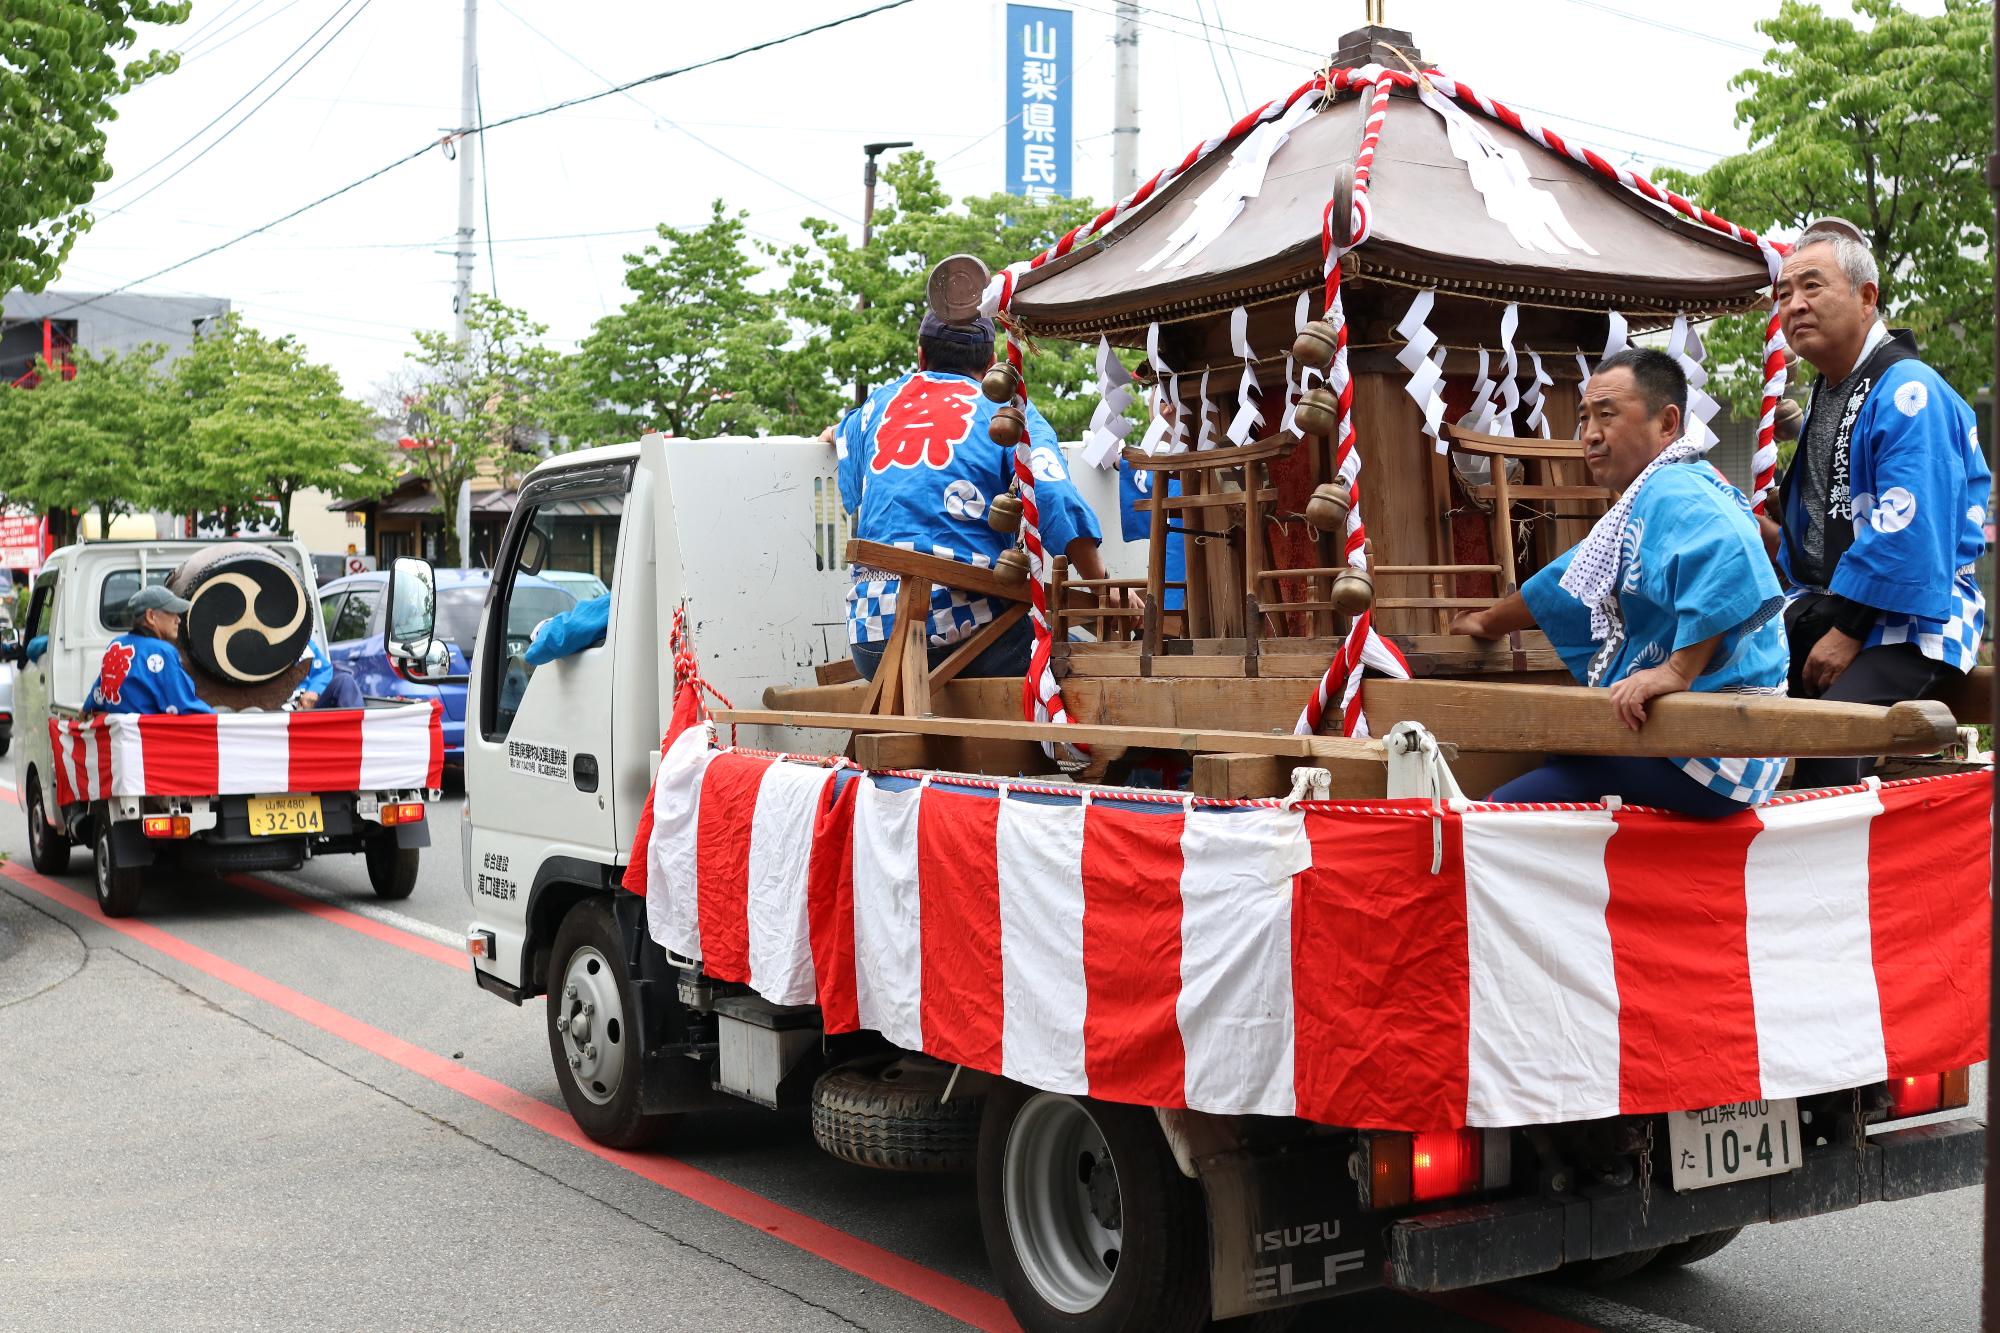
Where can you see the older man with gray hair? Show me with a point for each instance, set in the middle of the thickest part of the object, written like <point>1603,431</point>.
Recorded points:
<point>1883,508</point>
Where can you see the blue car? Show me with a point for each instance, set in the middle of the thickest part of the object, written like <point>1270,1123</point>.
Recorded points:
<point>354,616</point>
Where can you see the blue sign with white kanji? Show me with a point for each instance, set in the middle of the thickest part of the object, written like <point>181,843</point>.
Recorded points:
<point>1038,101</point>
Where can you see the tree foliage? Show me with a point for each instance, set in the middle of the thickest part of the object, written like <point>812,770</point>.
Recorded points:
<point>696,351</point>
<point>1884,123</point>
<point>914,228</point>
<point>58,74</point>
<point>249,419</point>
<point>482,406</point>
<point>84,443</point>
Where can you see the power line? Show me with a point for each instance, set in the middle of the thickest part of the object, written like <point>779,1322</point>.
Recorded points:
<point>412,156</point>
<point>136,176</point>
<point>485,174</point>
<point>194,37</point>
<point>1235,70</point>
<point>1664,26</point>
<point>190,57</point>
<point>1213,63</point>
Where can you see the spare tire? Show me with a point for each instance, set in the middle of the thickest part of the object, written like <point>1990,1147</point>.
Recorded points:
<point>250,617</point>
<point>885,1112</point>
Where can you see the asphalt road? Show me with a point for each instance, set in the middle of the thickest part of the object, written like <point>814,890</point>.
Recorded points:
<point>276,1103</point>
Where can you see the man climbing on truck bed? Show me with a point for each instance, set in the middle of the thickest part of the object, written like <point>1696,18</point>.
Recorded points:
<point>918,470</point>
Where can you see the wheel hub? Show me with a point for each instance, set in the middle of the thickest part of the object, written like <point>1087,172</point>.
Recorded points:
<point>590,1017</point>
<point>1065,1216</point>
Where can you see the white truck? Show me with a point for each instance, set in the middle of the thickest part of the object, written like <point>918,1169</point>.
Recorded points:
<point>241,791</point>
<point>1097,1216</point>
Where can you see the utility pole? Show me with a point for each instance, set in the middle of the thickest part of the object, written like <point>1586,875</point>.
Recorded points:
<point>468,146</point>
<point>1125,115</point>
<point>872,151</point>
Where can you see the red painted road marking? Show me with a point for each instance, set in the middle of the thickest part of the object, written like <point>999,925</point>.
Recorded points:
<point>353,921</point>
<point>1497,1311</point>
<point>945,1294</point>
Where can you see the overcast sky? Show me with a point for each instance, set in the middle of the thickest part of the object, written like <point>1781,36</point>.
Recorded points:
<point>778,133</point>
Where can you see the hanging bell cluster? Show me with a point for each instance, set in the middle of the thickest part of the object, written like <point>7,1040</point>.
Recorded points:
<point>1328,508</point>
<point>1315,344</point>
<point>1004,514</point>
<point>1318,413</point>
<point>1002,383</point>
<point>1009,424</point>
<point>1012,566</point>
<point>1353,590</point>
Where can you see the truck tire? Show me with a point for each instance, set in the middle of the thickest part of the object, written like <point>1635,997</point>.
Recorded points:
<point>6,739</point>
<point>594,1036</point>
<point>48,844</point>
<point>1088,1223</point>
<point>884,1112</point>
<point>1696,1248</point>
<point>392,870</point>
<point>118,887</point>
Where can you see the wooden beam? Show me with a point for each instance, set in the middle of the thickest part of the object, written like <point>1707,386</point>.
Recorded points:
<point>936,569</point>
<point>966,652</point>
<point>892,749</point>
<point>1970,698</point>
<point>1319,748</point>
<point>1562,719</point>
<point>1240,776</point>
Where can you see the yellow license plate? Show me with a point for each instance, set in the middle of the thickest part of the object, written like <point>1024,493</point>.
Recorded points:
<point>271,816</point>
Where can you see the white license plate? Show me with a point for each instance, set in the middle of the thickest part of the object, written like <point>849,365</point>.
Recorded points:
<point>1735,1141</point>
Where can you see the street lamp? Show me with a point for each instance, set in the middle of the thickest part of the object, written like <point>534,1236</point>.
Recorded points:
<point>873,151</point>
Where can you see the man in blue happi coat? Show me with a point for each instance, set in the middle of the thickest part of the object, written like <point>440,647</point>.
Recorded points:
<point>1883,509</point>
<point>918,470</point>
<point>142,671</point>
<point>1672,590</point>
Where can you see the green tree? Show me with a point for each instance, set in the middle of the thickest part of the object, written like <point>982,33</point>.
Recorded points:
<point>695,351</point>
<point>58,75</point>
<point>1885,125</point>
<point>250,419</point>
<point>82,443</point>
<point>917,226</point>
<point>480,407</point>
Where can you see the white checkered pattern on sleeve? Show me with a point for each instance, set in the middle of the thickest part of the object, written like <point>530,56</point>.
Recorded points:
<point>955,615</point>
<point>1954,641</point>
<point>1750,781</point>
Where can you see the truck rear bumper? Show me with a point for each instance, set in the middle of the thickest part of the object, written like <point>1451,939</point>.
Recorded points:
<point>1466,1247</point>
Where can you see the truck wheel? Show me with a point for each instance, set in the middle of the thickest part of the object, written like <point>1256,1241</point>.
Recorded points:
<point>6,739</point>
<point>1088,1223</point>
<point>48,845</point>
<point>118,887</point>
<point>885,1113</point>
<point>392,870</point>
<point>1696,1248</point>
<point>594,1036</point>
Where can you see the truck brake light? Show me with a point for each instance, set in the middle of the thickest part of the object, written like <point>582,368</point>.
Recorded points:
<point>1921,1094</point>
<point>403,812</point>
<point>166,826</point>
<point>1445,1163</point>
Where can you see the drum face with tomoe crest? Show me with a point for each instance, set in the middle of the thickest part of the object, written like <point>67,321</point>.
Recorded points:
<point>249,619</point>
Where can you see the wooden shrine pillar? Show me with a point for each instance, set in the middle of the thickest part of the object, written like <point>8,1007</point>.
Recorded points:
<point>1396,475</point>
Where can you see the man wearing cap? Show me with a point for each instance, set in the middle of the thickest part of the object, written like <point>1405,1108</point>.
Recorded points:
<point>918,470</point>
<point>142,671</point>
<point>1883,508</point>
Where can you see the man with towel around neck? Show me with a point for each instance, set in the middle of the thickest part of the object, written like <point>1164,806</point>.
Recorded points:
<point>1672,590</point>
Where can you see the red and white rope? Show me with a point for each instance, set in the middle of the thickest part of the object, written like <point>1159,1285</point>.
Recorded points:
<point>1342,678</point>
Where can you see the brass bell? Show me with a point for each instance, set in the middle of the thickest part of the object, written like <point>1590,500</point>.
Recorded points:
<point>1001,383</point>
<point>1318,413</point>
<point>1314,345</point>
<point>1004,514</point>
<point>1012,566</point>
<point>1009,424</point>
<point>1353,590</point>
<point>1327,509</point>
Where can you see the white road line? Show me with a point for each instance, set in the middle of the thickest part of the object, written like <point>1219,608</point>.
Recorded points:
<point>374,912</point>
<point>1601,1311</point>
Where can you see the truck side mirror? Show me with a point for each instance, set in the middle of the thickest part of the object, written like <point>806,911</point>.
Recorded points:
<point>411,641</point>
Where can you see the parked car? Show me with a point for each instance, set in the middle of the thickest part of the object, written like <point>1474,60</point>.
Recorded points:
<point>576,583</point>
<point>7,699</point>
<point>353,609</point>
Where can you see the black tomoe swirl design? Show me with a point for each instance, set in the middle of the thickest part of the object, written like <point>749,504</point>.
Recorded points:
<point>249,620</point>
